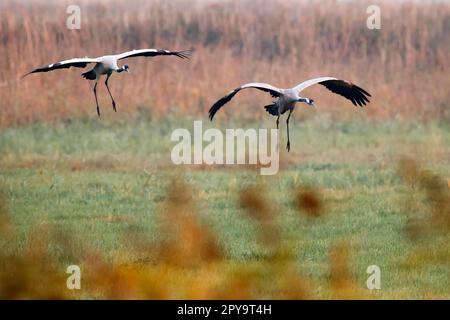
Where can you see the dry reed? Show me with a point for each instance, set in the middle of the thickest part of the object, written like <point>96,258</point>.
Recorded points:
<point>404,65</point>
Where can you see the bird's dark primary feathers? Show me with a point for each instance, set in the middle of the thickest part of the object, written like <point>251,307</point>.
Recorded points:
<point>352,92</point>
<point>221,102</point>
<point>186,54</point>
<point>272,109</point>
<point>58,65</point>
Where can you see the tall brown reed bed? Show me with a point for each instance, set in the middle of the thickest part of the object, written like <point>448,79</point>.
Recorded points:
<point>404,65</point>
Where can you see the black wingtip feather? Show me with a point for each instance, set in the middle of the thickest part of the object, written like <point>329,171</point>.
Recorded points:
<point>213,110</point>
<point>352,92</point>
<point>185,54</point>
<point>362,95</point>
<point>33,71</point>
<point>224,100</point>
<point>26,74</point>
<point>221,102</point>
<point>363,91</point>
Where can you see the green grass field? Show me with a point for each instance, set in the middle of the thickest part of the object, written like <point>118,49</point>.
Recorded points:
<point>104,183</point>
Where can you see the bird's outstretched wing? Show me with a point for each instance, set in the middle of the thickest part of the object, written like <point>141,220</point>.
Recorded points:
<point>357,95</point>
<point>154,52</point>
<point>274,92</point>
<point>77,63</point>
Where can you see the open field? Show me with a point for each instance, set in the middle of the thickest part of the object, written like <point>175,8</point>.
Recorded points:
<point>105,186</point>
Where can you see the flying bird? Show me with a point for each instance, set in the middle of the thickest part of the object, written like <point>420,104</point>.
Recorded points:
<point>286,99</point>
<point>106,65</point>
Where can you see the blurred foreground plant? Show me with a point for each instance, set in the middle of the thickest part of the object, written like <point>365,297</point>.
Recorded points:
<point>189,261</point>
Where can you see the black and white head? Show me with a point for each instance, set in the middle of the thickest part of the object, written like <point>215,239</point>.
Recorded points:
<point>124,68</point>
<point>308,101</point>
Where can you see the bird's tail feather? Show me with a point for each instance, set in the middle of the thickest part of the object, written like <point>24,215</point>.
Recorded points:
<point>272,109</point>
<point>90,75</point>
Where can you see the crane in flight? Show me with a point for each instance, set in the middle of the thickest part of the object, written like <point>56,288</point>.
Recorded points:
<point>106,65</point>
<point>286,99</point>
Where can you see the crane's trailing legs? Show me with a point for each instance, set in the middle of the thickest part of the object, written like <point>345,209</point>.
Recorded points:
<point>113,102</point>
<point>288,146</point>
<point>96,100</point>
<point>278,136</point>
